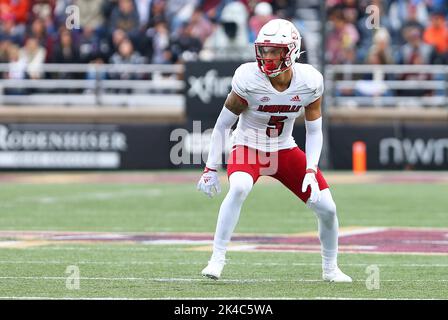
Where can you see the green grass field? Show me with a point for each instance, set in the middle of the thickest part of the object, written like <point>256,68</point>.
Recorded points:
<point>142,270</point>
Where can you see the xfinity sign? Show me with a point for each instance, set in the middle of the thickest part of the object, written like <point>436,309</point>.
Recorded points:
<point>207,86</point>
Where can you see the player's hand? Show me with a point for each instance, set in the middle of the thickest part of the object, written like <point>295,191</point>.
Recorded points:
<point>311,181</point>
<point>209,182</point>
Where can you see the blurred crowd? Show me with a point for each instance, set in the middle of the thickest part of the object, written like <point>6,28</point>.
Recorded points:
<point>401,32</point>
<point>405,32</point>
<point>33,32</point>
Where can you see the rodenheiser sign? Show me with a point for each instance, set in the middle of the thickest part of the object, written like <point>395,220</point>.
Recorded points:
<point>61,146</point>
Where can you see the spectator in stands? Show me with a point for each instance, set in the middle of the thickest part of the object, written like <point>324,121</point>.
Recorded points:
<point>47,40</point>
<point>92,46</point>
<point>379,53</point>
<point>436,34</point>
<point>43,12</point>
<point>159,40</point>
<point>11,31</point>
<point>65,51</point>
<point>17,66</point>
<point>125,17</point>
<point>177,12</point>
<point>42,9</point>
<point>199,26</point>
<point>143,8</point>
<point>90,13</point>
<point>33,54</point>
<point>126,55</point>
<point>157,12</point>
<point>59,12</point>
<point>16,69</point>
<point>39,31</point>
<point>439,6</point>
<point>147,45</point>
<point>108,7</point>
<point>213,8</point>
<point>404,13</point>
<point>94,42</point>
<point>184,45</point>
<point>366,34</point>
<point>415,51</point>
<point>350,11</point>
<point>4,48</point>
<point>262,14</point>
<point>284,9</point>
<point>118,36</point>
<point>230,40</point>
<point>341,40</point>
<point>19,9</point>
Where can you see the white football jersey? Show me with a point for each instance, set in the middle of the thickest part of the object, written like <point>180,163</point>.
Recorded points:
<point>268,122</point>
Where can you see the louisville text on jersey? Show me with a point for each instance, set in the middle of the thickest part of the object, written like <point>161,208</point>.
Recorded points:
<point>278,108</point>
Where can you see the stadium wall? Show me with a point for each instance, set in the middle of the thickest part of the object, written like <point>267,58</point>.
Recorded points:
<point>160,146</point>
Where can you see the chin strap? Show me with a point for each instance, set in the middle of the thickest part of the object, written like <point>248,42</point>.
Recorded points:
<point>273,75</point>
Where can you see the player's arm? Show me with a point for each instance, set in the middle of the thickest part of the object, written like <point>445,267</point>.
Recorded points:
<point>233,107</point>
<point>235,103</point>
<point>313,147</point>
<point>314,138</point>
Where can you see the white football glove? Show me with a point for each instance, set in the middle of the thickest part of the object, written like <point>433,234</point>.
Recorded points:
<point>310,180</point>
<point>209,182</point>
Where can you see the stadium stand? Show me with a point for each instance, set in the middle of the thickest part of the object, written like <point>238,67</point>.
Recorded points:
<point>132,52</point>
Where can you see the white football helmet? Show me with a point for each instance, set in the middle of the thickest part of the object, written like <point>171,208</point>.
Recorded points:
<point>277,33</point>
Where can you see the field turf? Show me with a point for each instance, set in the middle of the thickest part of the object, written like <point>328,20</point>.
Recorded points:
<point>32,267</point>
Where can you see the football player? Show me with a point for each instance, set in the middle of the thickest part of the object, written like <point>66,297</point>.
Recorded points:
<point>266,97</point>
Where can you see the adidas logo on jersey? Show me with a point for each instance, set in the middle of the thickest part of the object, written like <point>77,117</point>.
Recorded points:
<point>296,98</point>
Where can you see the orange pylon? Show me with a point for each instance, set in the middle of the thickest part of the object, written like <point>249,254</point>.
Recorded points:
<point>359,155</point>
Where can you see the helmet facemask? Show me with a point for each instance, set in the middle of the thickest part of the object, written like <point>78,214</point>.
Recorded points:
<point>274,59</point>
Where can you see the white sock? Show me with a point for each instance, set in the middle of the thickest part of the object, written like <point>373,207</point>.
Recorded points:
<point>328,226</point>
<point>229,212</point>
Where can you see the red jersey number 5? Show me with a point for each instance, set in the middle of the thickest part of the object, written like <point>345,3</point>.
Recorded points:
<point>275,126</point>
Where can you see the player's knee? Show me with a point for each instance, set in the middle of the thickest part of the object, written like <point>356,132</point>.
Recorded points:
<point>326,204</point>
<point>331,208</point>
<point>325,209</point>
<point>328,209</point>
<point>241,189</point>
<point>240,184</point>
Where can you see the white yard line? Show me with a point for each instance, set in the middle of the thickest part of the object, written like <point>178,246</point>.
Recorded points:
<point>202,279</point>
<point>128,263</point>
